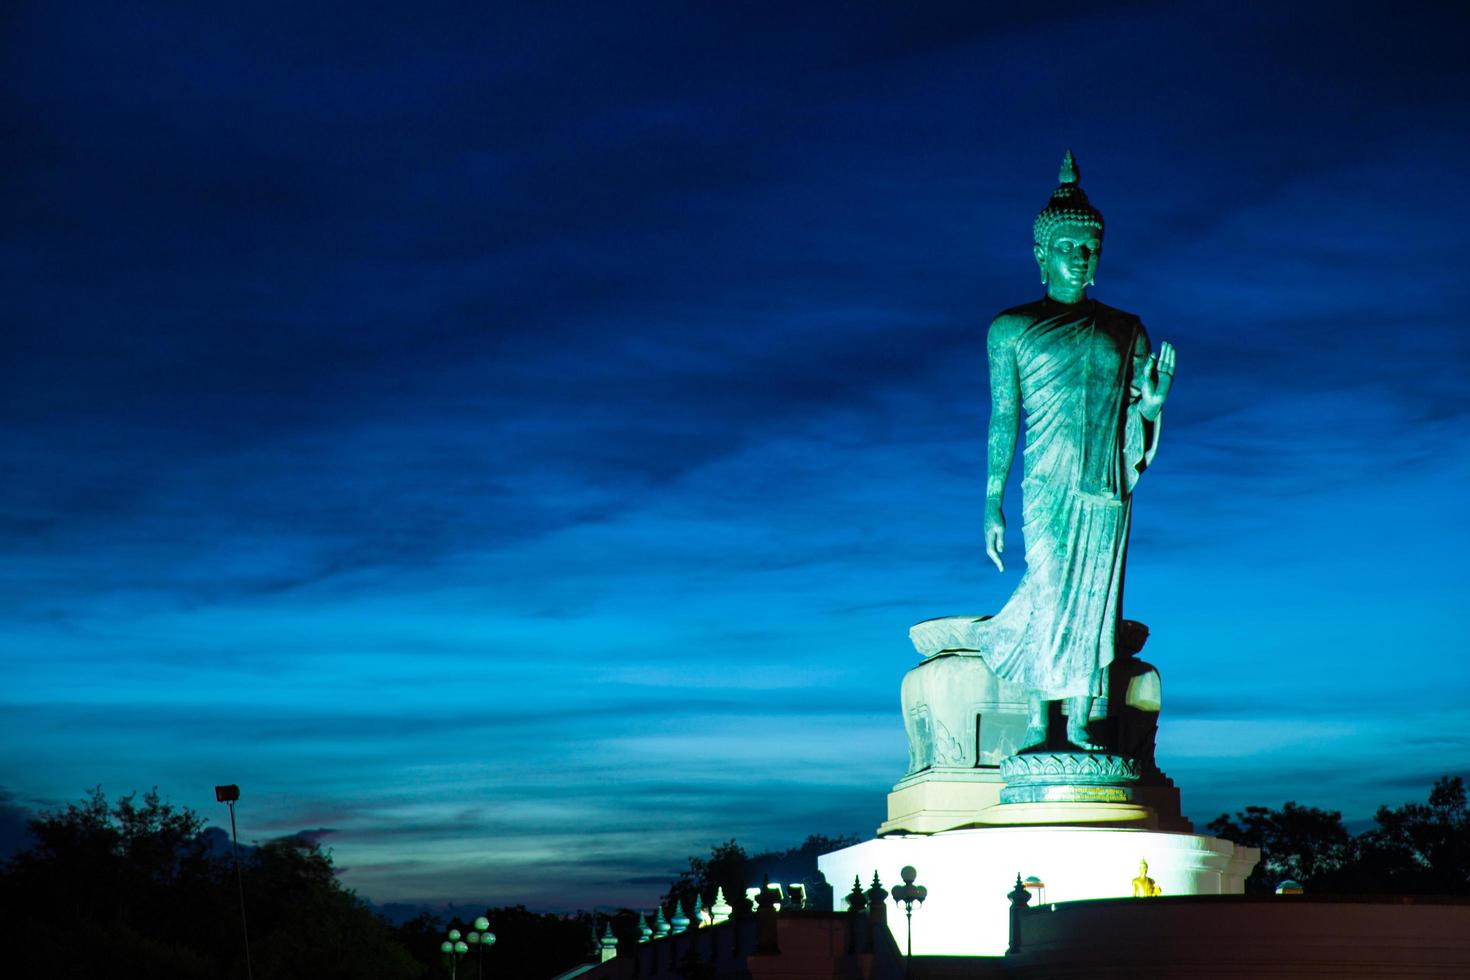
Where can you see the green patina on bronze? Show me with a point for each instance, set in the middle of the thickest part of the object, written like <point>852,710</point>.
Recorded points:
<point>1092,391</point>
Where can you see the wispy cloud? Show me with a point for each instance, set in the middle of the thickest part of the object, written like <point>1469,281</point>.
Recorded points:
<point>544,423</point>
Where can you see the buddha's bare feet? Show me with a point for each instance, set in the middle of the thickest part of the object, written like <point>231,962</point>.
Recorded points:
<point>1037,719</point>
<point>1077,735</point>
<point>1035,736</point>
<point>1079,709</point>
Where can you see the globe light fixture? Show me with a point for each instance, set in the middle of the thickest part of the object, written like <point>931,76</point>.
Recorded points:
<point>1037,888</point>
<point>454,947</point>
<point>906,895</point>
<point>481,939</point>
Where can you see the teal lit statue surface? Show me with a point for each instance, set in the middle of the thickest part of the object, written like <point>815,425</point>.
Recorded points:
<point>1092,391</point>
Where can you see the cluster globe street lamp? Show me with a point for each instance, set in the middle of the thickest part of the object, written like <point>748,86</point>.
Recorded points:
<point>906,895</point>
<point>453,948</point>
<point>456,946</point>
<point>482,938</point>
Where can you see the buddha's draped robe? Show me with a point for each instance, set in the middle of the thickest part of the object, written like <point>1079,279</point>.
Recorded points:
<point>1086,445</point>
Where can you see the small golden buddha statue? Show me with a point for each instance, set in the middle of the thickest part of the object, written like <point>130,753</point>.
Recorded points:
<point>1143,885</point>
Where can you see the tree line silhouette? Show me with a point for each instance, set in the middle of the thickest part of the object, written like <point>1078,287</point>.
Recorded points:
<point>1415,849</point>
<point>141,888</point>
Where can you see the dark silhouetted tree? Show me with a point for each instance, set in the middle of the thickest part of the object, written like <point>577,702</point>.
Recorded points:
<point>1418,849</point>
<point>729,867</point>
<point>726,867</point>
<point>1415,849</point>
<point>136,890</point>
<point>529,944</point>
<point>421,936</point>
<point>309,925</point>
<point>1298,842</point>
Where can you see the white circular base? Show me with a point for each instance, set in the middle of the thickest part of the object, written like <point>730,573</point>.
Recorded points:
<point>969,873</point>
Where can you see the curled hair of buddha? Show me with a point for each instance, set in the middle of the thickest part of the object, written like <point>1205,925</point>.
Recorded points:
<point>1068,205</point>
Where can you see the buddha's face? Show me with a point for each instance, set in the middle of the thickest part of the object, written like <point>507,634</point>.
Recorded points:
<point>1069,260</point>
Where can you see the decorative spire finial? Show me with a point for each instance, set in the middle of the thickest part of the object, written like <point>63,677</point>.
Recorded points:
<point>1069,173</point>
<point>721,909</point>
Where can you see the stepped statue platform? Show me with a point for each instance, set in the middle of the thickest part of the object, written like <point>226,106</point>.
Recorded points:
<point>965,727</point>
<point>977,805</point>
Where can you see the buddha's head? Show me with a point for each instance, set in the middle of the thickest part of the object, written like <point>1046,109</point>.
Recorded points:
<point>1067,236</point>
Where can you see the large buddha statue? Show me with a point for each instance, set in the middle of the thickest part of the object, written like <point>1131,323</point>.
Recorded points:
<point>1092,390</point>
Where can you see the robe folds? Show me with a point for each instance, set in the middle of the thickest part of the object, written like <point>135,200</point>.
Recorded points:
<point>1086,445</point>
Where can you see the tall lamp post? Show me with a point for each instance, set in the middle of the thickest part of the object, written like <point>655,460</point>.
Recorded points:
<point>229,795</point>
<point>453,948</point>
<point>482,938</point>
<point>906,895</point>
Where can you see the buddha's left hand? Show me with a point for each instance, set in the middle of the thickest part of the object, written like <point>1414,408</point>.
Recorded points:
<point>1156,381</point>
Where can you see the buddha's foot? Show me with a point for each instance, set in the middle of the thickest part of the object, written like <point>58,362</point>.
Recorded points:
<point>1078,737</point>
<point>1035,735</point>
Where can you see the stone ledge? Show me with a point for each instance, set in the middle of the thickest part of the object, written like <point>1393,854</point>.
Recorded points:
<point>1070,813</point>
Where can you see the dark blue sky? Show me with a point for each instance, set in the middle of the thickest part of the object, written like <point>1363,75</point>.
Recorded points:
<point>514,442</point>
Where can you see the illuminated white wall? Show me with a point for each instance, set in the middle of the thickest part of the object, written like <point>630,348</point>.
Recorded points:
<point>970,872</point>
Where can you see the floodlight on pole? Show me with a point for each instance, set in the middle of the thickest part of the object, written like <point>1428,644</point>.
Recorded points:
<point>229,795</point>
